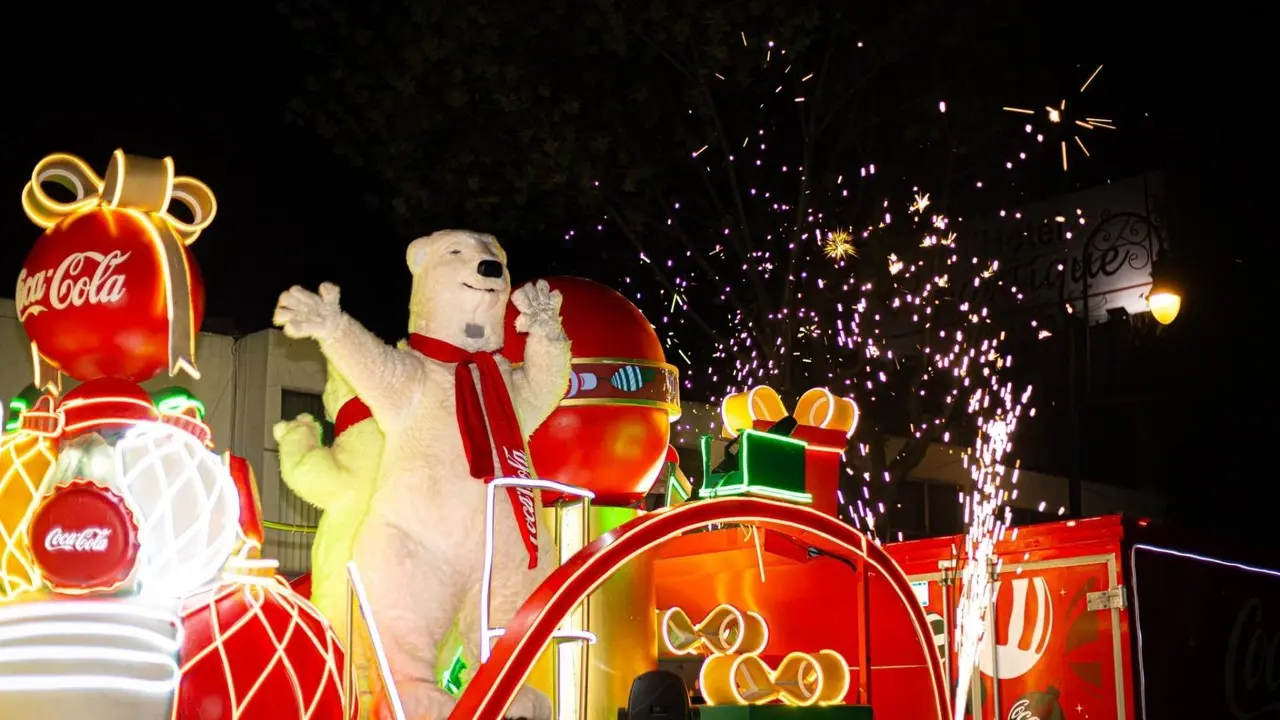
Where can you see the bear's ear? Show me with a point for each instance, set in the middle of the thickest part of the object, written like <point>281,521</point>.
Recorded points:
<point>416,254</point>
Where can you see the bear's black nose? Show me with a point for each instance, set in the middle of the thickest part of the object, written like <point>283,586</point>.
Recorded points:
<point>489,269</point>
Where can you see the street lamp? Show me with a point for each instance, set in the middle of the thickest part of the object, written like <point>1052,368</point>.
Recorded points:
<point>1165,296</point>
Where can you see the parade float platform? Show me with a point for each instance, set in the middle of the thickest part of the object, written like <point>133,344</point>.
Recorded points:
<point>786,712</point>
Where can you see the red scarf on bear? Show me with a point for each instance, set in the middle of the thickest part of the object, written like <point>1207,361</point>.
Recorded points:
<point>486,416</point>
<point>352,411</point>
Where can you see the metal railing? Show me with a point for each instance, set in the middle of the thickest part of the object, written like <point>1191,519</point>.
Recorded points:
<point>358,600</point>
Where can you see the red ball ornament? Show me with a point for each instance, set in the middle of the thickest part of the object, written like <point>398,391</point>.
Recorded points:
<point>110,289</point>
<point>254,650</point>
<point>92,296</point>
<point>611,432</point>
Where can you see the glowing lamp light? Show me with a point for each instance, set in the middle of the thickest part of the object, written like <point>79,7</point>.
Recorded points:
<point>1165,296</point>
<point>1164,305</point>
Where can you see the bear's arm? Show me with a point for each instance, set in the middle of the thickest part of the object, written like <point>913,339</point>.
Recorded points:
<point>323,475</point>
<point>386,379</point>
<point>540,383</point>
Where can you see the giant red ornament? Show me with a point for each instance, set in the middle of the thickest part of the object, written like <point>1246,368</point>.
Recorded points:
<point>610,433</point>
<point>110,289</point>
<point>253,649</point>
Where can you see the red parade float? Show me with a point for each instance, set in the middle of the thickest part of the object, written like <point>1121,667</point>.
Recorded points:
<point>132,586</point>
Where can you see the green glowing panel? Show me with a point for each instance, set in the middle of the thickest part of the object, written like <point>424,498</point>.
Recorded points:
<point>785,712</point>
<point>21,403</point>
<point>17,406</point>
<point>770,466</point>
<point>452,669</point>
<point>451,681</point>
<point>176,399</point>
<point>678,487</point>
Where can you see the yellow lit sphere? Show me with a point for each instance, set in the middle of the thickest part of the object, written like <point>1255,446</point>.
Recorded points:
<point>1164,306</point>
<point>25,460</point>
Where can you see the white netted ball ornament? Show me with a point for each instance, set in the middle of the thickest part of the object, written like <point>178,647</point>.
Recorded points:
<point>187,506</point>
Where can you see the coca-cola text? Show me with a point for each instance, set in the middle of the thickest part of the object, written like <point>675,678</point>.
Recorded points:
<point>90,539</point>
<point>520,462</point>
<point>1021,710</point>
<point>83,278</point>
<point>1252,665</point>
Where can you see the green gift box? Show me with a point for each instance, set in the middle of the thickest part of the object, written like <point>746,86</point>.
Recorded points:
<point>770,466</point>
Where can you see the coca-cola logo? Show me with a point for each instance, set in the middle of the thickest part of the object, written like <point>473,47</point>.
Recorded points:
<point>1252,664</point>
<point>1021,710</point>
<point>82,278</point>
<point>84,538</point>
<point>87,540</point>
<point>520,462</point>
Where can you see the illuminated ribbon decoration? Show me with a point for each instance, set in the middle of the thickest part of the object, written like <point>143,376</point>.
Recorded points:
<point>802,679</point>
<point>724,630</point>
<point>818,407</point>
<point>146,187</point>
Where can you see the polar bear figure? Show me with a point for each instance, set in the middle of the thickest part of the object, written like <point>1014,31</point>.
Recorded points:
<point>338,479</point>
<point>421,546</point>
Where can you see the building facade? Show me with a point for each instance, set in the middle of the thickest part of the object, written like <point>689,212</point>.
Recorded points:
<point>252,382</point>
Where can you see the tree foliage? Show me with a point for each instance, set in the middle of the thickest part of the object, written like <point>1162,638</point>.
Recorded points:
<point>628,122</point>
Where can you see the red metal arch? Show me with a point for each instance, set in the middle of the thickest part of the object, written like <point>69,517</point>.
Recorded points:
<point>495,683</point>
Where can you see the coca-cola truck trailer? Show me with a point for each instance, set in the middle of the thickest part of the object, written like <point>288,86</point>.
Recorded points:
<point>1110,618</point>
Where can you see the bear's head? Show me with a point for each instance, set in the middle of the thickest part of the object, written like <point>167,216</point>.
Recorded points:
<point>460,289</point>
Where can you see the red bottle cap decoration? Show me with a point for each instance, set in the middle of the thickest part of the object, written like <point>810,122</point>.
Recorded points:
<point>84,538</point>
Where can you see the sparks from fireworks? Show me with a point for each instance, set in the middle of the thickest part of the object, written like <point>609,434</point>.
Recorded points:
<point>1057,116</point>
<point>905,311</point>
<point>839,245</point>
<point>907,318</point>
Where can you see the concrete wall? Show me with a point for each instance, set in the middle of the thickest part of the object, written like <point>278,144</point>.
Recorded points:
<point>214,356</point>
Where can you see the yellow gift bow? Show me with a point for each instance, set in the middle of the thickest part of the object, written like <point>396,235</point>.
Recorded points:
<point>803,679</point>
<point>818,407</point>
<point>146,187</point>
<point>724,630</point>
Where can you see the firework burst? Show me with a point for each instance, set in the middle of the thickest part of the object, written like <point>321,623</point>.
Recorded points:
<point>1058,116</point>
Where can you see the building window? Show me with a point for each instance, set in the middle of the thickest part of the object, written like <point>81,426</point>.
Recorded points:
<point>294,403</point>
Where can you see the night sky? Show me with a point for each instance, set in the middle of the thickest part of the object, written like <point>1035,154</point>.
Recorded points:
<point>211,91</point>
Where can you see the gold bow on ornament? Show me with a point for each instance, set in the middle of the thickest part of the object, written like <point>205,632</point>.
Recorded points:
<point>818,407</point>
<point>146,187</point>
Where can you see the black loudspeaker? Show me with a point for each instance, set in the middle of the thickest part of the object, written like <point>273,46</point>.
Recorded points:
<point>658,695</point>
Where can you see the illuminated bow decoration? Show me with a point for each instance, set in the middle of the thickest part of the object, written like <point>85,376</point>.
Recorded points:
<point>803,679</point>
<point>726,629</point>
<point>818,407</point>
<point>146,187</point>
